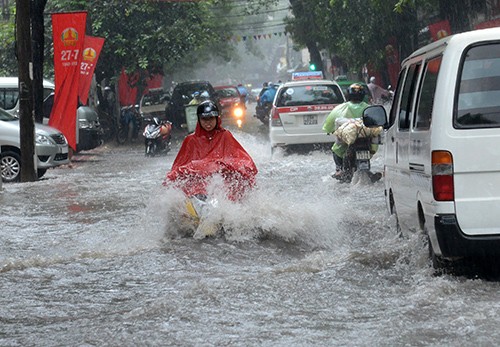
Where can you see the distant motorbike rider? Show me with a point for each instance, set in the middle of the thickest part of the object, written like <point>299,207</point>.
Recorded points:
<point>350,109</point>
<point>196,99</point>
<point>211,150</point>
<point>243,92</point>
<point>268,96</point>
<point>377,91</point>
<point>262,91</point>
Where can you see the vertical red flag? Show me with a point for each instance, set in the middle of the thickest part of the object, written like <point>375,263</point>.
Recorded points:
<point>91,49</point>
<point>68,36</point>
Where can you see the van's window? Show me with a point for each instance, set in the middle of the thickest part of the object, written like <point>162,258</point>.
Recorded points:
<point>427,91</point>
<point>8,98</point>
<point>407,97</point>
<point>478,103</point>
<point>393,114</point>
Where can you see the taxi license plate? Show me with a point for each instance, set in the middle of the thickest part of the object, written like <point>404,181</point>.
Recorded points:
<point>363,155</point>
<point>310,119</point>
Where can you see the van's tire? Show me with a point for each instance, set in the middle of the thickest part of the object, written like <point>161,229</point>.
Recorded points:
<point>11,166</point>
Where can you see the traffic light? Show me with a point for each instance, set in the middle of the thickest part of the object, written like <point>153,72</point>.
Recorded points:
<point>312,66</point>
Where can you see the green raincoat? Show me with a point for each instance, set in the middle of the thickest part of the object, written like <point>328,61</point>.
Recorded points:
<point>346,110</point>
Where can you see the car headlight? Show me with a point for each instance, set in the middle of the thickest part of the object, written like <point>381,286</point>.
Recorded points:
<point>43,140</point>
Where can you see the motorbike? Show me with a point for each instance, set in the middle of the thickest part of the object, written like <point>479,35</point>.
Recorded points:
<point>197,215</point>
<point>359,139</point>
<point>357,159</point>
<point>387,99</point>
<point>263,112</point>
<point>130,120</point>
<point>155,142</point>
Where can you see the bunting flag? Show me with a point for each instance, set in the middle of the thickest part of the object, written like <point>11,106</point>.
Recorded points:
<point>91,49</point>
<point>68,36</point>
<point>239,38</point>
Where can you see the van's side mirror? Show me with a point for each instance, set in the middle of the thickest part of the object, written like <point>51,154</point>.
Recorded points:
<point>375,116</point>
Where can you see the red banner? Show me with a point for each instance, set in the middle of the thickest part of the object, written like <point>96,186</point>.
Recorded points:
<point>92,49</point>
<point>127,86</point>
<point>68,36</point>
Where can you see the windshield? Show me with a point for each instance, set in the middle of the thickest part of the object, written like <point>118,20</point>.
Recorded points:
<point>6,116</point>
<point>227,92</point>
<point>309,95</point>
<point>185,92</point>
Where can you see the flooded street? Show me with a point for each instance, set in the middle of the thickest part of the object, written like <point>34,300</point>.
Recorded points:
<point>92,256</point>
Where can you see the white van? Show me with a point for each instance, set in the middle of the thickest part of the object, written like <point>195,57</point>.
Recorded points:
<point>89,134</point>
<point>442,150</point>
<point>9,93</point>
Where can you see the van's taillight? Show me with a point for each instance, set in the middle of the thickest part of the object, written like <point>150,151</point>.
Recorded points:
<point>442,176</point>
<point>275,118</point>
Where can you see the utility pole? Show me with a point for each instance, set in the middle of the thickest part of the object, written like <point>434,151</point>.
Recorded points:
<point>26,120</point>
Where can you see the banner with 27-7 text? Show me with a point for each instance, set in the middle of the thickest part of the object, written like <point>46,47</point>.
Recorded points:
<point>68,36</point>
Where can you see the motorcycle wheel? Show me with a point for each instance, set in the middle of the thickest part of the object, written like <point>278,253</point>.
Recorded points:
<point>122,135</point>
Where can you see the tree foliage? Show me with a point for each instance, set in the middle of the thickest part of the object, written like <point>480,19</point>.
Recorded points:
<point>146,35</point>
<point>150,35</point>
<point>8,63</point>
<point>357,31</point>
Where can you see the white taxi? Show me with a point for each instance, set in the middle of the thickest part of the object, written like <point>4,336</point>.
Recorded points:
<point>299,111</point>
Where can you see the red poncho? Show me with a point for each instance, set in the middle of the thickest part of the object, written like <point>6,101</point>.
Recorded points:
<point>204,154</point>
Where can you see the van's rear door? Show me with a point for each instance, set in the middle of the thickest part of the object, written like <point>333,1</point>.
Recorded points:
<point>475,141</point>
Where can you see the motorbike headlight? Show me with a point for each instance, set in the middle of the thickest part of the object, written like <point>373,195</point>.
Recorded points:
<point>43,140</point>
<point>238,112</point>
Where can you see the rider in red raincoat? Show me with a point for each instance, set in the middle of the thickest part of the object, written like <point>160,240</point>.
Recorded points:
<point>211,150</point>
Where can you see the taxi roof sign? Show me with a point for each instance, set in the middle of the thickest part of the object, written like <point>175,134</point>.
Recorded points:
<point>307,75</point>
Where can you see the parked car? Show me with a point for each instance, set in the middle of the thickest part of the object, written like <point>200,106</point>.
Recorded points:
<point>154,104</point>
<point>182,95</point>
<point>299,111</point>
<point>51,147</point>
<point>90,134</point>
<point>442,164</point>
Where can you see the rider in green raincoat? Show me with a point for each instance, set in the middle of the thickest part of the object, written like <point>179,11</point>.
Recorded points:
<point>351,109</point>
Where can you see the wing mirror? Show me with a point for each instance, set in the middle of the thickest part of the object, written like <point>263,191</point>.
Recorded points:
<point>375,116</point>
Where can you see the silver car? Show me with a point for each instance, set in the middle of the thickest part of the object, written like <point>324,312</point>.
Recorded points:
<point>51,147</point>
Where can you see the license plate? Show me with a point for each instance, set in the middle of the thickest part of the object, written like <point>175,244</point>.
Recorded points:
<point>64,150</point>
<point>311,119</point>
<point>363,155</point>
<point>364,165</point>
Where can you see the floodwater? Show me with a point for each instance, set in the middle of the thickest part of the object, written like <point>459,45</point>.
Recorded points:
<point>92,256</point>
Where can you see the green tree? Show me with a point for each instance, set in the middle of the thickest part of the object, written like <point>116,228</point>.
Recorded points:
<point>356,31</point>
<point>8,63</point>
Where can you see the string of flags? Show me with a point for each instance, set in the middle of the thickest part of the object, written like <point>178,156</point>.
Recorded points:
<point>239,38</point>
